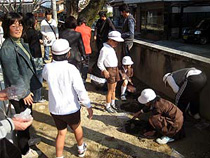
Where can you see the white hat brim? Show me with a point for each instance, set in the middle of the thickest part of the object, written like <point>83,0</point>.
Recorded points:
<point>142,100</point>
<point>129,63</point>
<point>61,52</point>
<point>118,39</point>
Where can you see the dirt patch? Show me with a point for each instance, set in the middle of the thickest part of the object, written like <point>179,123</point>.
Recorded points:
<point>106,136</point>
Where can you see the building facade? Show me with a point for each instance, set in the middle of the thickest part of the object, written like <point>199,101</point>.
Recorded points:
<point>163,19</point>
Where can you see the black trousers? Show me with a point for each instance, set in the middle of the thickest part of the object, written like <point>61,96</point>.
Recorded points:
<point>99,44</point>
<point>85,67</point>
<point>22,136</point>
<point>191,93</point>
<point>8,150</point>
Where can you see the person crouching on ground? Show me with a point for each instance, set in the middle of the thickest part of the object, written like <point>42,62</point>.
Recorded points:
<point>65,87</point>
<point>126,73</point>
<point>108,64</point>
<point>166,119</point>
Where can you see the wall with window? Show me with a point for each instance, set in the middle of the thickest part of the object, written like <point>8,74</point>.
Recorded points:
<point>151,20</point>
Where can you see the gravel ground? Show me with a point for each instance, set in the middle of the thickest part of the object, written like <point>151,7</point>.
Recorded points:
<point>106,136</point>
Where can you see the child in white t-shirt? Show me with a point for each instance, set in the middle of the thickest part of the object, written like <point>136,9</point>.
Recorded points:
<point>65,87</point>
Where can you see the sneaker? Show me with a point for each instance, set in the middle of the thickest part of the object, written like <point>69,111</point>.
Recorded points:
<point>81,153</point>
<point>196,116</point>
<point>110,110</point>
<point>123,98</point>
<point>164,140</point>
<point>32,154</point>
<point>114,107</point>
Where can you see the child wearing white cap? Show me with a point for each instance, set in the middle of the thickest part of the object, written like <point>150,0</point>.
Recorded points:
<point>65,87</point>
<point>108,64</point>
<point>126,73</point>
<point>166,118</point>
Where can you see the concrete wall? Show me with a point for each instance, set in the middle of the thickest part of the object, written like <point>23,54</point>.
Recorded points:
<point>153,61</point>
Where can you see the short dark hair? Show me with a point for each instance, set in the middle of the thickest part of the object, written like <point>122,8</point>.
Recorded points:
<point>71,22</point>
<point>60,57</point>
<point>29,20</point>
<point>82,20</point>
<point>48,12</point>
<point>124,7</point>
<point>8,20</point>
<point>102,13</point>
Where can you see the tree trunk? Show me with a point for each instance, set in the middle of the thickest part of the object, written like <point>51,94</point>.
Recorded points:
<point>72,8</point>
<point>53,5</point>
<point>91,10</point>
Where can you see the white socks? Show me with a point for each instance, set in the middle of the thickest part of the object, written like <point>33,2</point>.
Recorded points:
<point>123,89</point>
<point>81,147</point>
<point>108,105</point>
<point>113,102</point>
<point>60,157</point>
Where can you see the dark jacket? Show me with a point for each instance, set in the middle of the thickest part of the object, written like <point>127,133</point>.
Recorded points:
<point>18,69</point>
<point>166,118</point>
<point>128,28</point>
<point>32,37</point>
<point>77,47</point>
<point>103,27</point>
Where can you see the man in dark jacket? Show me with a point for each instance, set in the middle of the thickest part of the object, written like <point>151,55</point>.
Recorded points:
<point>127,29</point>
<point>103,26</point>
<point>75,41</point>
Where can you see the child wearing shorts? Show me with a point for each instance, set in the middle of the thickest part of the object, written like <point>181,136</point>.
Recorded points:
<point>65,87</point>
<point>108,64</point>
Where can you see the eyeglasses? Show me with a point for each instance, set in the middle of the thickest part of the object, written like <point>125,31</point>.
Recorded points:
<point>16,26</point>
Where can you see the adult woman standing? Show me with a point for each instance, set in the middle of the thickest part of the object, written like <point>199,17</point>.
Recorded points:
<point>18,70</point>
